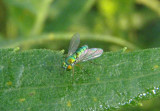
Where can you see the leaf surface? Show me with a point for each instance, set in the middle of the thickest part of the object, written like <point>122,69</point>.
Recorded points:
<point>35,80</point>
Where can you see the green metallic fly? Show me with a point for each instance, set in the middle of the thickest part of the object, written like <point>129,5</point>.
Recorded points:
<point>81,54</point>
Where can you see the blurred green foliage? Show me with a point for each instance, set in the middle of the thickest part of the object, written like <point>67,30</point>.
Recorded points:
<point>109,24</point>
<point>134,21</point>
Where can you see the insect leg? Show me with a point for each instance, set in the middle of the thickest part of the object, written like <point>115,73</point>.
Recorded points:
<point>73,73</point>
<point>94,63</point>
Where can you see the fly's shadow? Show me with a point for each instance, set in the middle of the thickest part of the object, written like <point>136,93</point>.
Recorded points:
<point>52,64</point>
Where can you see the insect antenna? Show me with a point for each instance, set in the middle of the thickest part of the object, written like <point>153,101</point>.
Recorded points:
<point>72,73</point>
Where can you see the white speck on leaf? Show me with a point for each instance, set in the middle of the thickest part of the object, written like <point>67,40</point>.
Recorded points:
<point>1,68</point>
<point>19,76</point>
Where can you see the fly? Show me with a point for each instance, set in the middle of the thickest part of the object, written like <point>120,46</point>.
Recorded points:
<point>81,54</point>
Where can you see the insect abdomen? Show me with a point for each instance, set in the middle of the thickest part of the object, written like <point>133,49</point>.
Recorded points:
<point>81,50</point>
<point>71,59</point>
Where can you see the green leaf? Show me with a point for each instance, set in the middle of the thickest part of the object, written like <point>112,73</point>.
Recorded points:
<point>35,80</point>
<point>154,5</point>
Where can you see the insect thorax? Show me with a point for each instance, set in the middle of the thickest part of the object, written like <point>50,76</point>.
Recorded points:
<point>70,60</point>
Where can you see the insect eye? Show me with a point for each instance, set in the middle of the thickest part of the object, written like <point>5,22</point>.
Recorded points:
<point>69,67</point>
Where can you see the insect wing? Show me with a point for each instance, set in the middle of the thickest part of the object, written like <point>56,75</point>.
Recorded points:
<point>74,43</point>
<point>90,54</point>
